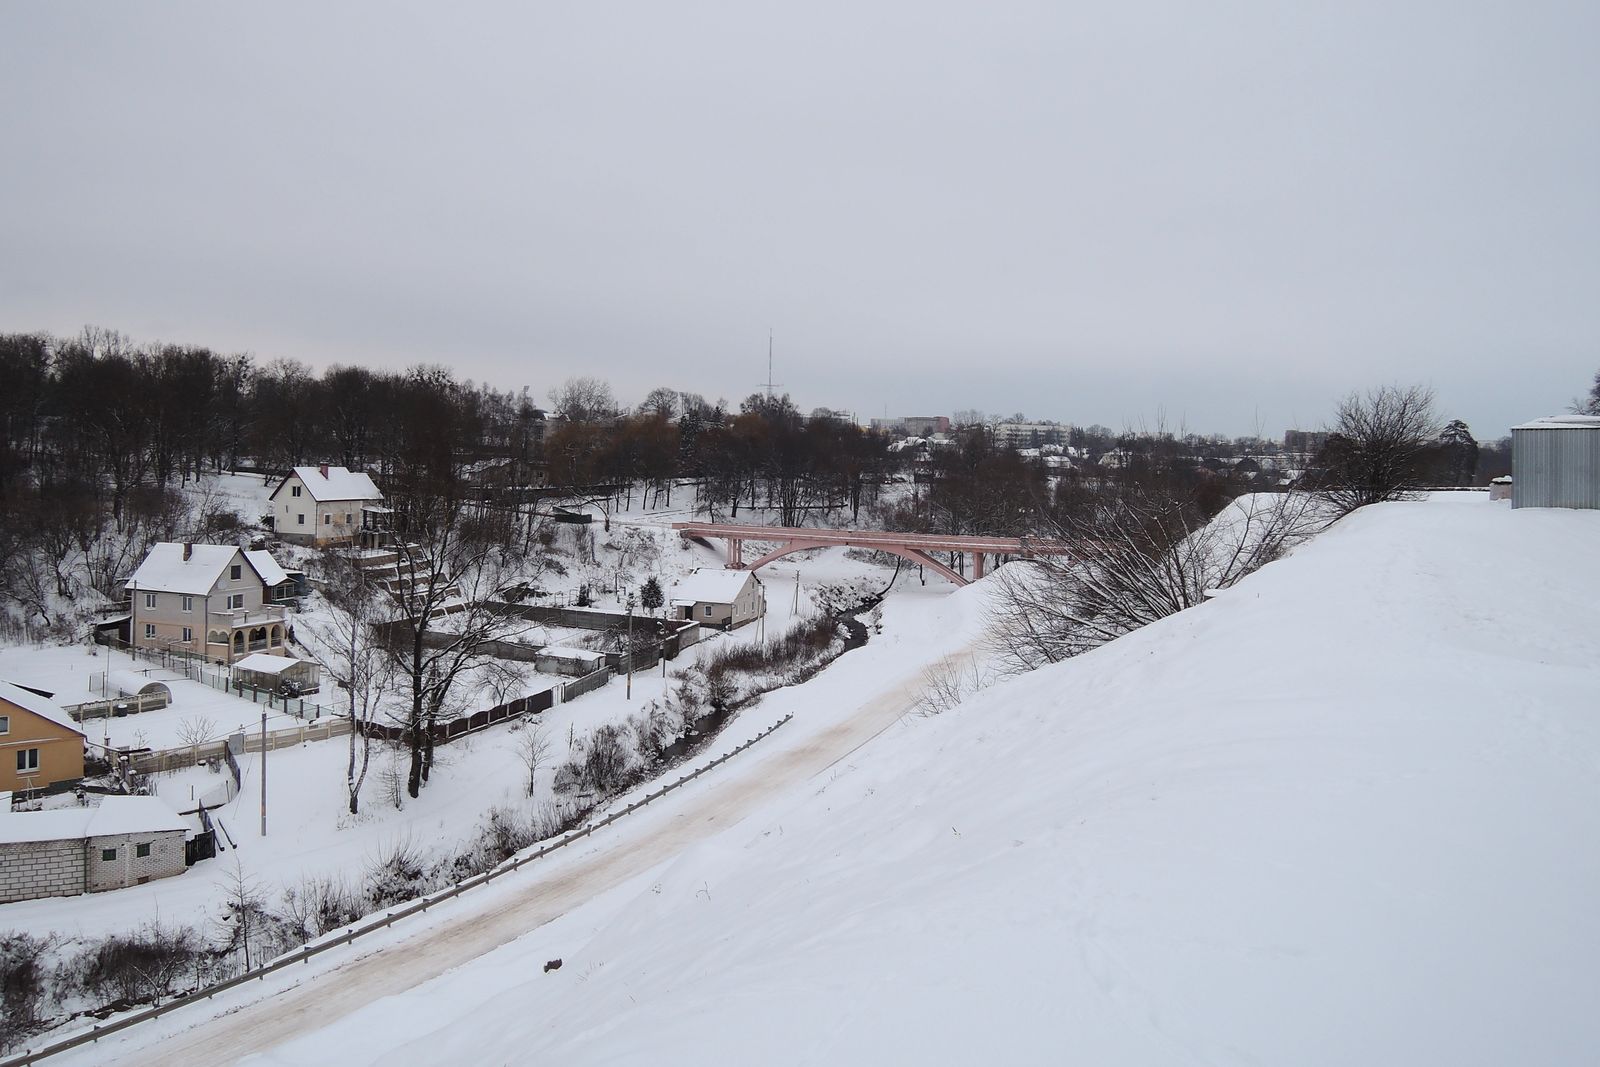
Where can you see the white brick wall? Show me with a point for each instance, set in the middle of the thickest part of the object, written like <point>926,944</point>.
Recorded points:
<point>41,869</point>
<point>129,868</point>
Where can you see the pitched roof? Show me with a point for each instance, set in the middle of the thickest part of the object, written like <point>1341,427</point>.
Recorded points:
<point>266,566</point>
<point>340,483</point>
<point>266,663</point>
<point>115,816</point>
<point>28,700</point>
<point>165,570</point>
<point>708,586</point>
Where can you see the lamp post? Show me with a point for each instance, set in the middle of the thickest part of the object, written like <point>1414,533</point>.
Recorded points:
<point>629,694</point>
<point>264,770</point>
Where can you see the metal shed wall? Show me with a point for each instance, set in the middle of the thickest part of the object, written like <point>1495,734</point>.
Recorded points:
<point>1555,467</point>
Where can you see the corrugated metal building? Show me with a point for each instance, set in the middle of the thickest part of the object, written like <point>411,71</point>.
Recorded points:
<point>1555,462</point>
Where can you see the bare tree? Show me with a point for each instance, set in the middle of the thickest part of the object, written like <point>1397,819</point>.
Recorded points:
<point>197,730</point>
<point>533,748</point>
<point>446,612</point>
<point>354,650</point>
<point>1376,446</point>
<point>583,399</point>
<point>1145,555</point>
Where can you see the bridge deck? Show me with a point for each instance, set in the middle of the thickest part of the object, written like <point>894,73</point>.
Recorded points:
<point>923,542</point>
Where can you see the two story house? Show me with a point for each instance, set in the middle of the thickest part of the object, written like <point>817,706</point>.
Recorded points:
<point>206,600</point>
<point>40,746</point>
<point>323,505</point>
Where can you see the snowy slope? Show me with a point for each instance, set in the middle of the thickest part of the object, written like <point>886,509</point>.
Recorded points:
<point>1348,812</point>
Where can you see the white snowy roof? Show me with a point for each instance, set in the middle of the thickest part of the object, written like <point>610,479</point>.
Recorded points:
<point>114,817</point>
<point>133,815</point>
<point>266,663</point>
<point>266,566</point>
<point>165,570</point>
<point>584,654</point>
<point>40,706</point>
<point>1562,422</point>
<point>706,586</point>
<point>340,483</point>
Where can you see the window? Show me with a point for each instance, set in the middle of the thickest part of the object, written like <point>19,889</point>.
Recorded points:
<point>149,631</point>
<point>5,724</point>
<point>188,603</point>
<point>236,571</point>
<point>188,635</point>
<point>108,855</point>
<point>149,600</point>
<point>142,849</point>
<point>349,518</point>
<point>236,601</point>
<point>300,519</point>
<point>294,491</point>
<point>708,611</point>
<point>27,759</point>
<point>327,520</point>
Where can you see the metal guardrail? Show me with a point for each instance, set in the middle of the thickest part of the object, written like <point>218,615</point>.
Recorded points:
<point>339,940</point>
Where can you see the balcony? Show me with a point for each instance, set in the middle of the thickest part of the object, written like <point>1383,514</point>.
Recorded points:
<point>265,615</point>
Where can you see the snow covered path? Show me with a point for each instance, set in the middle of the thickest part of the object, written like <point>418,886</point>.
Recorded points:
<point>470,927</point>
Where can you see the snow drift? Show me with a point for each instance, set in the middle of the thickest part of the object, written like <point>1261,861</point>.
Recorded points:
<point>1347,812</point>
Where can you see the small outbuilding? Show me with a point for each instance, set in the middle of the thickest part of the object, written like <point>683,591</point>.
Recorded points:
<point>724,598</point>
<point>1555,462</point>
<point>263,670</point>
<point>125,841</point>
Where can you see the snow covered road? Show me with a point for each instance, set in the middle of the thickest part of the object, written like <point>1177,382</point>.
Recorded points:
<point>283,1009</point>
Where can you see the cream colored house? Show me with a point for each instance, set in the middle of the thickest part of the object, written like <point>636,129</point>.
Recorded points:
<point>322,505</point>
<point>722,598</point>
<point>207,600</point>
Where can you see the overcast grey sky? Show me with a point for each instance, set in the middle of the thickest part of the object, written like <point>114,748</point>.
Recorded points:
<point>1230,213</point>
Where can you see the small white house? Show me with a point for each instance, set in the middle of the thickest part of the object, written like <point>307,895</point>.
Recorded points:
<point>321,505</point>
<point>724,598</point>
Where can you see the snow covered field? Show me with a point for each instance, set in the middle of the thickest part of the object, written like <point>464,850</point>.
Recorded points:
<point>1345,813</point>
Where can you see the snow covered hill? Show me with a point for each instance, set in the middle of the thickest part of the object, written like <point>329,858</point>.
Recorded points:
<point>1348,812</point>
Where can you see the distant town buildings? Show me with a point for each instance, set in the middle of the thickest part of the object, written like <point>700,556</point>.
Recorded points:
<point>913,425</point>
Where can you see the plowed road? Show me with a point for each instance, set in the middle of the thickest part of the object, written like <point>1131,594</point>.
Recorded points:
<point>621,852</point>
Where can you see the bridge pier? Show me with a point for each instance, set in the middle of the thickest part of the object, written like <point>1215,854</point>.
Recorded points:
<point>735,553</point>
<point>977,565</point>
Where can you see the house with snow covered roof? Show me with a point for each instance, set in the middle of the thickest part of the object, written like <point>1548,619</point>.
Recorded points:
<point>207,600</point>
<point>40,746</point>
<point>723,598</point>
<point>125,841</point>
<point>323,505</point>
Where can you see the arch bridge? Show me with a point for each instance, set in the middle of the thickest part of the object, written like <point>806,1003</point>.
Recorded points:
<point>910,546</point>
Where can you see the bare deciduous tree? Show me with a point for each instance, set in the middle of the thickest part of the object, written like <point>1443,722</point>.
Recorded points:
<point>1145,556</point>
<point>356,656</point>
<point>1375,447</point>
<point>197,730</point>
<point>533,748</point>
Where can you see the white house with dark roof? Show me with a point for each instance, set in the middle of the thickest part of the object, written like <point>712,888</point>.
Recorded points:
<point>724,598</point>
<point>207,600</point>
<point>321,505</point>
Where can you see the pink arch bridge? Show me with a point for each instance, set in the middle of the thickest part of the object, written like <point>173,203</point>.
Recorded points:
<point>911,546</point>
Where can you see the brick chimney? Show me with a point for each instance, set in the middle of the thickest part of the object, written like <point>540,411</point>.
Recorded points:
<point>188,550</point>
<point>323,470</point>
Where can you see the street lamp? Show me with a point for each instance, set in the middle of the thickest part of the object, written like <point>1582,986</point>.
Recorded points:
<point>629,693</point>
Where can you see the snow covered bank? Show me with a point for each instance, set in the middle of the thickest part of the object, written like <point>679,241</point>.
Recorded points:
<point>1346,813</point>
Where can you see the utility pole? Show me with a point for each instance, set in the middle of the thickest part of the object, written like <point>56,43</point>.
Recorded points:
<point>264,770</point>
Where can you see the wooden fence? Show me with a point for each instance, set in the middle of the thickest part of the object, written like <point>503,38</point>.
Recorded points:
<point>173,759</point>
